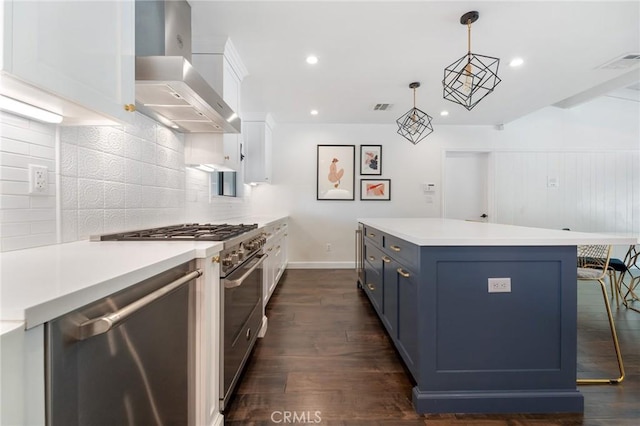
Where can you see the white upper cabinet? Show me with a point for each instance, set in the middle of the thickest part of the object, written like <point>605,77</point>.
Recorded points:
<point>75,58</point>
<point>257,149</point>
<point>219,64</point>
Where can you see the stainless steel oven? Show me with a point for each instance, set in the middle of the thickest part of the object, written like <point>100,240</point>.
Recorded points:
<point>127,359</point>
<point>241,320</point>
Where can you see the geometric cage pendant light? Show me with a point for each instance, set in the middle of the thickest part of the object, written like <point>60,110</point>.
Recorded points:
<point>415,125</point>
<point>469,79</point>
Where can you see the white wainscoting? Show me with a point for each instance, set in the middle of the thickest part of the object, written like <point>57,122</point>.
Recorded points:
<point>584,191</point>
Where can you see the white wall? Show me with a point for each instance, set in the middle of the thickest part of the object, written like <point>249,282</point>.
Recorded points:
<point>550,141</point>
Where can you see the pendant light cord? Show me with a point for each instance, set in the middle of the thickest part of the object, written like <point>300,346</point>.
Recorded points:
<point>469,36</point>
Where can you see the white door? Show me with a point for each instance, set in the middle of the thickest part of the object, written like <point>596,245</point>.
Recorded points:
<point>466,189</point>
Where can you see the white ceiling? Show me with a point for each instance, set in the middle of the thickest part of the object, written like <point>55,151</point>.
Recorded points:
<point>369,52</point>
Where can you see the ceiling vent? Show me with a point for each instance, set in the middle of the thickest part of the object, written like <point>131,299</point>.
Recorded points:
<point>382,107</point>
<point>625,61</point>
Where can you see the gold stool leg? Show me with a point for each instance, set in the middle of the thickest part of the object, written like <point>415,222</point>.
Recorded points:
<point>614,335</point>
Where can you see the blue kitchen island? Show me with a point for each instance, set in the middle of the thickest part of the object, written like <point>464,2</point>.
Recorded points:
<point>483,315</point>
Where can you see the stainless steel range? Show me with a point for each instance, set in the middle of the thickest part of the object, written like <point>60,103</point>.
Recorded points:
<point>240,260</point>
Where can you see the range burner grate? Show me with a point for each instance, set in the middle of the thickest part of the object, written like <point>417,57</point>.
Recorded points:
<point>184,232</point>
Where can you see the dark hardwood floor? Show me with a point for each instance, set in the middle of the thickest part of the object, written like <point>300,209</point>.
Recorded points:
<point>327,360</point>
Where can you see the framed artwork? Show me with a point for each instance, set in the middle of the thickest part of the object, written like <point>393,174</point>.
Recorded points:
<point>375,189</point>
<point>370,159</point>
<point>336,172</point>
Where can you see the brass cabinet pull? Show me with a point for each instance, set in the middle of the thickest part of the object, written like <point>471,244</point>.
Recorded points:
<point>226,157</point>
<point>403,272</point>
<point>372,235</point>
<point>371,258</point>
<point>395,248</point>
<point>130,107</point>
<point>386,259</point>
<point>371,287</point>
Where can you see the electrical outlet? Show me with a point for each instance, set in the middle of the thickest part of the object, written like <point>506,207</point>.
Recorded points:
<point>499,285</point>
<point>328,247</point>
<point>38,180</point>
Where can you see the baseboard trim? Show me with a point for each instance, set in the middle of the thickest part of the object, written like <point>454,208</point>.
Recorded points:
<point>321,265</point>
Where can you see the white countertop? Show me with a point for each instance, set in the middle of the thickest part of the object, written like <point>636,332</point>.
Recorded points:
<point>451,232</point>
<point>42,283</point>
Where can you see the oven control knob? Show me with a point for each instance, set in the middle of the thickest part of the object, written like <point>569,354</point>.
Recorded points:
<point>250,246</point>
<point>241,253</point>
<point>234,257</point>
<point>227,261</point>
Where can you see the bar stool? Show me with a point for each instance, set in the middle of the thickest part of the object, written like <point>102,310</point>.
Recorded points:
<point>593,265</point>
<point>632,263</point>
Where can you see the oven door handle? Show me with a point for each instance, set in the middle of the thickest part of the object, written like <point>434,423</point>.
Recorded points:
<point>105,323</point>
<point>238,282</point>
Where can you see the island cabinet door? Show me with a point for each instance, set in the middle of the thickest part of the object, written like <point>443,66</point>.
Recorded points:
<point>373,287</point>
<point>390,300</point>
<point>406,338</point>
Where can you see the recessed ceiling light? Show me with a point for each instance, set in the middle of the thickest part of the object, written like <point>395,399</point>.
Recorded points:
<point>312,60</point>
<point>314,112</point>
<point>444,113</point>
<point>516,62</point>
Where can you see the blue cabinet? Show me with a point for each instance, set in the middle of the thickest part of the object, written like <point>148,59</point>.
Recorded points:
<point>392,288</point>
<point>471,351</point>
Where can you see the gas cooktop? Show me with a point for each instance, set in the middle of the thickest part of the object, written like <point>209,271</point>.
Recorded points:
<point>183,232</point>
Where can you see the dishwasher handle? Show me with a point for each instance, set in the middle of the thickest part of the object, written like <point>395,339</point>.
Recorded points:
<point>238,282</point>
<point>105,323</point>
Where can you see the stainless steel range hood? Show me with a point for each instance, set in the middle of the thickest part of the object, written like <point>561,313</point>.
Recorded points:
<point>168,88</point>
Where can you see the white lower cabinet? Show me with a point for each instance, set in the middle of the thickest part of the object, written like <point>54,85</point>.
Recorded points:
<point>276,263</point>
<point>207,370</point>
<point>22,367</point>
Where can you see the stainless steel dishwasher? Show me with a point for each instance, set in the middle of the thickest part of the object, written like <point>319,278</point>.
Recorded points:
<point>127,359</point>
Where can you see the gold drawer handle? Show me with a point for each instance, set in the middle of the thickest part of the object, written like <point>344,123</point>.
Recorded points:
<point>386,259</point>
<point>403,272</point>
<point>130,107</point>
<point>372,235</point>
<point>371,258</point>
<point>395,248</point>
<point>371,287</point>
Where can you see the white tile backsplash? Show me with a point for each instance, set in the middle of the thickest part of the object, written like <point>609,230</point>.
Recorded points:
<point>102,180</point>
<point>114,195</point>
<point>25,220</point>
<point>90,163</point>
<point>117,185</point>
<point>90,194</point>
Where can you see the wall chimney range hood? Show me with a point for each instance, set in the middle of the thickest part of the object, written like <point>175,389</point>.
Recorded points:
<point>168,88</point>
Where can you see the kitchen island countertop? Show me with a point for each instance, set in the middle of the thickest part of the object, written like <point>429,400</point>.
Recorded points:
<point>452,232</point>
